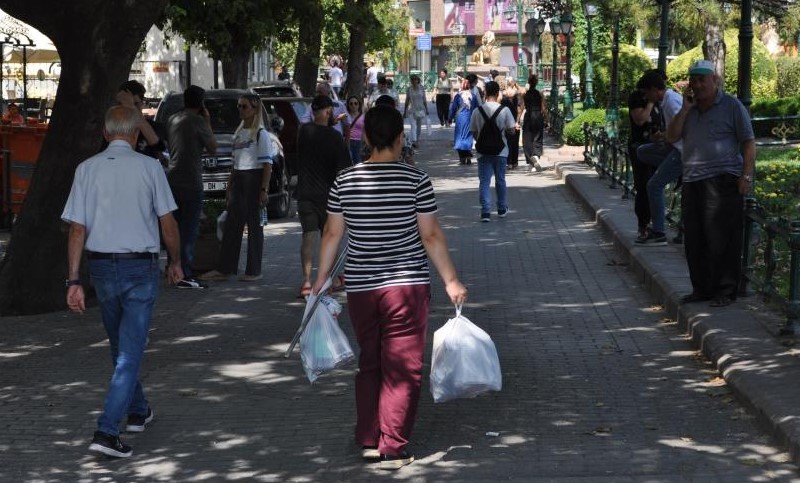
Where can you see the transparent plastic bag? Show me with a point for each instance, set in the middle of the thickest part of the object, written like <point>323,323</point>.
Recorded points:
<point>323,344</point>
<point>464,362</point>
<point>221,224</point>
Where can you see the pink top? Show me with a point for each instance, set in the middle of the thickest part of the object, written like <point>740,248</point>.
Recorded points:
<point>356,128</point>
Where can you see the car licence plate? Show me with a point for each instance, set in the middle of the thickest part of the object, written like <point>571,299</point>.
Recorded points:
<point>215,185</point>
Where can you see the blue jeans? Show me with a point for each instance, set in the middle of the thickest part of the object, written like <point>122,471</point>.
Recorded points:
<point>488,166</point>
<point>190,206</point>
<point>667,161</point>
<point>355,150</point>
<point>126,290</point>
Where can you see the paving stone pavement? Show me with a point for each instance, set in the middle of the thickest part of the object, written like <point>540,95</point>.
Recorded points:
<point>598,385</point>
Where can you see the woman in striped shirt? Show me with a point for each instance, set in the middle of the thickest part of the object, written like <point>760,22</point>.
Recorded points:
<point>388,209</point>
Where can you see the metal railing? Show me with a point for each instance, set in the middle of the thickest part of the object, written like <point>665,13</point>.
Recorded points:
<point>771,253</point>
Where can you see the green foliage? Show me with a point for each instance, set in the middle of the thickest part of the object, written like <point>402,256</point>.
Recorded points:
<point>788,76</point>
<point>764,73</point>
<point>632,63</point>
<point>222,27</point>
<point>777,186</point>
<point>212,208</point>
<point>573,130</point>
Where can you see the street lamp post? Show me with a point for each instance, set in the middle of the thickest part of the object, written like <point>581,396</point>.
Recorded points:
<point>519,9</point>
<point>566,29</point>
<point>540,26</point>
<point>591,10</point>
<point>555,29</point>
<point>612,112</point>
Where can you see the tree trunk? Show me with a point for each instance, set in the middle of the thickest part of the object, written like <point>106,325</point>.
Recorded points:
<point>97,41</point>
<point>355,61</point>
<point>714,47</point>
<point>306,62</point>
<point>234,71</point>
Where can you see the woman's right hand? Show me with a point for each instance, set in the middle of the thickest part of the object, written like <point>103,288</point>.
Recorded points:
<point>457,292</point>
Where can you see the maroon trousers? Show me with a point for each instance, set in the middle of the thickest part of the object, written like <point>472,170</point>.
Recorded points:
<point>390,326</point>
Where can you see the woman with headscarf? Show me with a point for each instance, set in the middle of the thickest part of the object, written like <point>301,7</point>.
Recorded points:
<point>460,113</point>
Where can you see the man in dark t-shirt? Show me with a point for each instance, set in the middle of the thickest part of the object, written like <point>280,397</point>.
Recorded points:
<point>321,154</point>
<point>189,133</point>
<point>645,119</point>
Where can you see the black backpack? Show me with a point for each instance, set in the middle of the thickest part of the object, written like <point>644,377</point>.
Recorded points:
<point>490,139</point>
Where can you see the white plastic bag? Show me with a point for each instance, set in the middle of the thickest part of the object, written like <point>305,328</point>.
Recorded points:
<point>221,224</point>
<point>464,362</point>
<point>323,345</point>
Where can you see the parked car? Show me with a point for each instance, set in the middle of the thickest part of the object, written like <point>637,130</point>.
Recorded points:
<point>290,110</point>
<point>221,105</point>
<point>277,89</point>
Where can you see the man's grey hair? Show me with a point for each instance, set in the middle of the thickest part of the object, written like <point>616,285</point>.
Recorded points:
<point>121,121</point>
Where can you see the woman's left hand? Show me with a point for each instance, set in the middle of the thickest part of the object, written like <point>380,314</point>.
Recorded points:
<point>263,197</point>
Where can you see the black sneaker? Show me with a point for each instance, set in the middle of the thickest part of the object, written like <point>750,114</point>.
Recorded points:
<point>486,217</point>
<point>642,236</point>
<point>110,445</point>
<point>502,213</point>
<point>653,238</point>
<point>138,422</point>
<point>190,283</point>
<point>395,462</point>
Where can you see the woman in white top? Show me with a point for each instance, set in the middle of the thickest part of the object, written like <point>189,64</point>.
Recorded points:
<point>417,107</point>
<point>253,154</point>
<point>443,92</point>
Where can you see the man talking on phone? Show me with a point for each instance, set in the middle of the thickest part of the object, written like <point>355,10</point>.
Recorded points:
<point>718,161</point>
<point>188,133</point>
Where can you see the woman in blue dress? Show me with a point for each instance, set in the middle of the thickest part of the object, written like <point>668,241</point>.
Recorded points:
<point>461,112</point>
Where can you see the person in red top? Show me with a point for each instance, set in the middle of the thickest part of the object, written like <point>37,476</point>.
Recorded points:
<point>13,115</point>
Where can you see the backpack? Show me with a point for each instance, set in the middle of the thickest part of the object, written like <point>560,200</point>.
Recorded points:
<point>490,140</point>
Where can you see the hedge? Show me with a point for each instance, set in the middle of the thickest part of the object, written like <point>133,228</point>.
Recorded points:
<point>633,61</point>
<point>764,72</point>
<point>788,76</point>
<point>573,130</point>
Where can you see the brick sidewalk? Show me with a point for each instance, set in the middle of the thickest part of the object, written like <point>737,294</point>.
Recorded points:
<point>598,386</point>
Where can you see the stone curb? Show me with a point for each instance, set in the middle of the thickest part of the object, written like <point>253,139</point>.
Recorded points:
<point>758,368</point>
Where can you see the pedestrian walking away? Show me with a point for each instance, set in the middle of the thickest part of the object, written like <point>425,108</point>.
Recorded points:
<point>188,133</point>
<point>460,113</point>
<point>491,163</point>
<point>117,202</point>
<point>247,195</point>
<point>321,154</point>
<point>533,123</point>
<point>511,100</point>
<point>716,176</point>
<point>388,209</point>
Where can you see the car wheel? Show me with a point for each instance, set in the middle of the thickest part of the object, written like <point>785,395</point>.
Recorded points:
<point>279,207</point>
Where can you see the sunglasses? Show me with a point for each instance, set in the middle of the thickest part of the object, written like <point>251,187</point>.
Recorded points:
<point>354,103</point>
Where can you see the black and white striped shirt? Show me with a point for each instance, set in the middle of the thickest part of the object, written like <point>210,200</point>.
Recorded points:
<point>380,202</point>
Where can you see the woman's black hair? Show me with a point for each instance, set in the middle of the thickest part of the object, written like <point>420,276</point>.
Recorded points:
<point>382,126</point>
<point>360,108</point>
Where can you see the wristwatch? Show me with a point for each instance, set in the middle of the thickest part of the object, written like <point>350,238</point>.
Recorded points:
<point>70,283</point>
<point>747,177</point>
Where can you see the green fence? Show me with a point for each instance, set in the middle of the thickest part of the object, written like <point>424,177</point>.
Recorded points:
<point>771,254</point>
